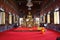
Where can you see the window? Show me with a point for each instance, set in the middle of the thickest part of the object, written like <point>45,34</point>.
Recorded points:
<point>17,19</point>
<point>44,17</point>
<point>14,17</point>
<point>56,17</point>
<point>48,17</point>
<point>37,20</point>
<point>21,21</point>
<point>41,19</point>
<point>2,17</point>
<point>10,18</point>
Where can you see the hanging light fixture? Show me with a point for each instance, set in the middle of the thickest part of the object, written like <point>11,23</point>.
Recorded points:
<point>29,3</point>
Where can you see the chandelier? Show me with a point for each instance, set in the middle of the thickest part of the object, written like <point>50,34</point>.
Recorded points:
<point>29,3</point>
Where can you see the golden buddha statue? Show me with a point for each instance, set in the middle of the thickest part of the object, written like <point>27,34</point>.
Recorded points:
<point>29,20</point>
<point>29,15</point>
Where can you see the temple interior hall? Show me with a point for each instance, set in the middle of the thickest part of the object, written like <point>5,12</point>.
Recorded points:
<point>29,19</point>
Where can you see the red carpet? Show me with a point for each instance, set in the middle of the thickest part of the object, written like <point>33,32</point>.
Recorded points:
<point>11,35</point>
